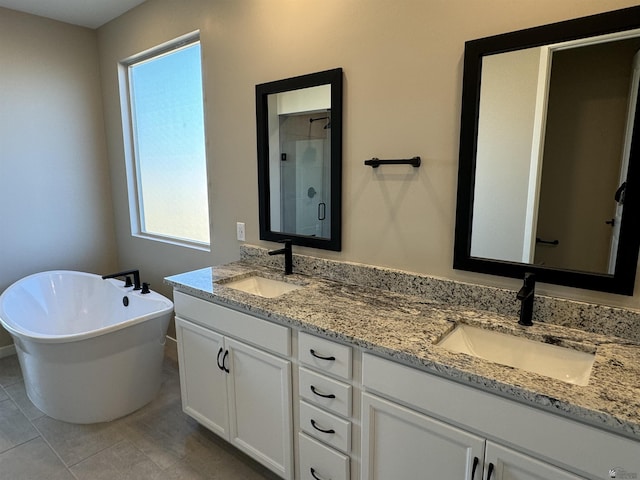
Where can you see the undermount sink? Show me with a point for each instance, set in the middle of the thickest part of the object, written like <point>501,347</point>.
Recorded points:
<point>566,364</point>
<point>261,286</point>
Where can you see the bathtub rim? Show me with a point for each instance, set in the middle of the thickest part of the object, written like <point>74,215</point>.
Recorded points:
<point>19,332</point>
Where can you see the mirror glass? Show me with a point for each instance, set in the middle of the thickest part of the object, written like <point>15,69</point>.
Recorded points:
<point>299,159</point>
<point>549,151</point>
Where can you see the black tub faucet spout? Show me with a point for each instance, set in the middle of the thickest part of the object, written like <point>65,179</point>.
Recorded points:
<point>135,273</point>
<point>526,296</point>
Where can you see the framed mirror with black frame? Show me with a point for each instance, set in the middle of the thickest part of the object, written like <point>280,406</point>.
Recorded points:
<point>549,150</point>
<point>299,133</point>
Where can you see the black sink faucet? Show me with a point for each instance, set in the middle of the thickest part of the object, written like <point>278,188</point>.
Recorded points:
<point>136,278</point>
<point>288,256</point>
<point>526,296</point>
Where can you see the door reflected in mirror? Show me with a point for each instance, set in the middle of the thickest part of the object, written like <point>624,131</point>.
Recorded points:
<point>549,147</point>
<point>554,136</point>
<point>299,159</point>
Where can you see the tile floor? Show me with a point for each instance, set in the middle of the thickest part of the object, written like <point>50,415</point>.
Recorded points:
<point>157,442</point>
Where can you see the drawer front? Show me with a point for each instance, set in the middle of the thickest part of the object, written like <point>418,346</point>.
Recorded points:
<point>325,392</point>
<point>266,335</point>
<point>320,462</point>
<point>325,355</point>
<point>328,428</point>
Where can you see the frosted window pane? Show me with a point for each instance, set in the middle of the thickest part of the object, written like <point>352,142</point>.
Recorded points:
<point>167,110</point>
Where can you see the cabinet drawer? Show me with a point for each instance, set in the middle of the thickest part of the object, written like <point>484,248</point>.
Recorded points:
<point>326,392</point>
<point>262,333</point>
<point>320,462</point>
<point>332,430</point>
<point>325,355</point>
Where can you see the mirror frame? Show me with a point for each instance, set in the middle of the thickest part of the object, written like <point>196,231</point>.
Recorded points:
<point>623,279</point>
<point>330,77</point>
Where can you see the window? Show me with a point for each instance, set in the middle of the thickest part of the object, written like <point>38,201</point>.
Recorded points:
<point>167,162</point>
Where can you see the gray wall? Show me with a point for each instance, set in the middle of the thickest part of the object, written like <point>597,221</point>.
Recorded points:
<point>402,62</point>
<point>403,72</point>
<point>55,194</point>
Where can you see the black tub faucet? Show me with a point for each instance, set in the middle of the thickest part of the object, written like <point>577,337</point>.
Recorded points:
<point>288,256</point>
<point>526,295</point>
<point>136,278</point>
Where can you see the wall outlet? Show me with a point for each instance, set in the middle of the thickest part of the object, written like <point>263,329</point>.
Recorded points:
<point>240,231</point>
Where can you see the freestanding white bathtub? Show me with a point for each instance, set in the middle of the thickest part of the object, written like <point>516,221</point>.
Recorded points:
<point>85,356</point>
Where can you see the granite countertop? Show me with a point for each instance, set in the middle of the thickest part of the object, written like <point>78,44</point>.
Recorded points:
<point>406,328</point>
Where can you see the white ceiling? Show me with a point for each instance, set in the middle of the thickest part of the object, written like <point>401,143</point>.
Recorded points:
<point>88,13</point>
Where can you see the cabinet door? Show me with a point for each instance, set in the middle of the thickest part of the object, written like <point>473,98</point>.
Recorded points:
<point>260,406</point>
<point>400,443</point>
<point>203,384</point>
<point>507,464</point>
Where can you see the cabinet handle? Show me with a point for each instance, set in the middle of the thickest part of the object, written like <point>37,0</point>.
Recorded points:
<point>315,425</point>
<point>314,475</point>
<point>490,471</point>
<point>220,366</point>
<point>313,352</point>
<point>323,395</point>
<point>224,361</point>
<point>475,465</point>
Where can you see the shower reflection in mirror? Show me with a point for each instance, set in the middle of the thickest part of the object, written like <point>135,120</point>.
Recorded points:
<point>300,169</point>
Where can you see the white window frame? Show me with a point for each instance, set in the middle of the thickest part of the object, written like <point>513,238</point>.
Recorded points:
<point>130,148</point>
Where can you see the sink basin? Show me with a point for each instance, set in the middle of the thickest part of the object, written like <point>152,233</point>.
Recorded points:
<point>261,286</point>
<point>566,364</point>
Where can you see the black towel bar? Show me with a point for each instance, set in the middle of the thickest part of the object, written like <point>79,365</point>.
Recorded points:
<point>376,162</point>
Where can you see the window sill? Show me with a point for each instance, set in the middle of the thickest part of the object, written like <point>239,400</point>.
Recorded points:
<point>178,242</point>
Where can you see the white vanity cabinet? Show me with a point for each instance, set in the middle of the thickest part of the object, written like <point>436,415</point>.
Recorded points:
<point>325,406</point>
<point>418,425</point>
<point>240,392</point>
<point>403,444</point>
<point>502,463</point>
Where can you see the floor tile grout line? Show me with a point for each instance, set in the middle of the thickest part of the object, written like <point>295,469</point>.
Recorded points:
<point>33,425</point>
<point>15,404</point>
<point>122,428</point>
<point>70,467</point>
<point>21,444</point>
<point>64,464</point>
<point>21,409</point>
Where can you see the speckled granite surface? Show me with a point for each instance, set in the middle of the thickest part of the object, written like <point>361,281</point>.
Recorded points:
<point>405,327</point>
<point>590,317</point>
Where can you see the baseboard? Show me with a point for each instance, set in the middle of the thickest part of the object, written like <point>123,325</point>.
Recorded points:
<point>7,351</point>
